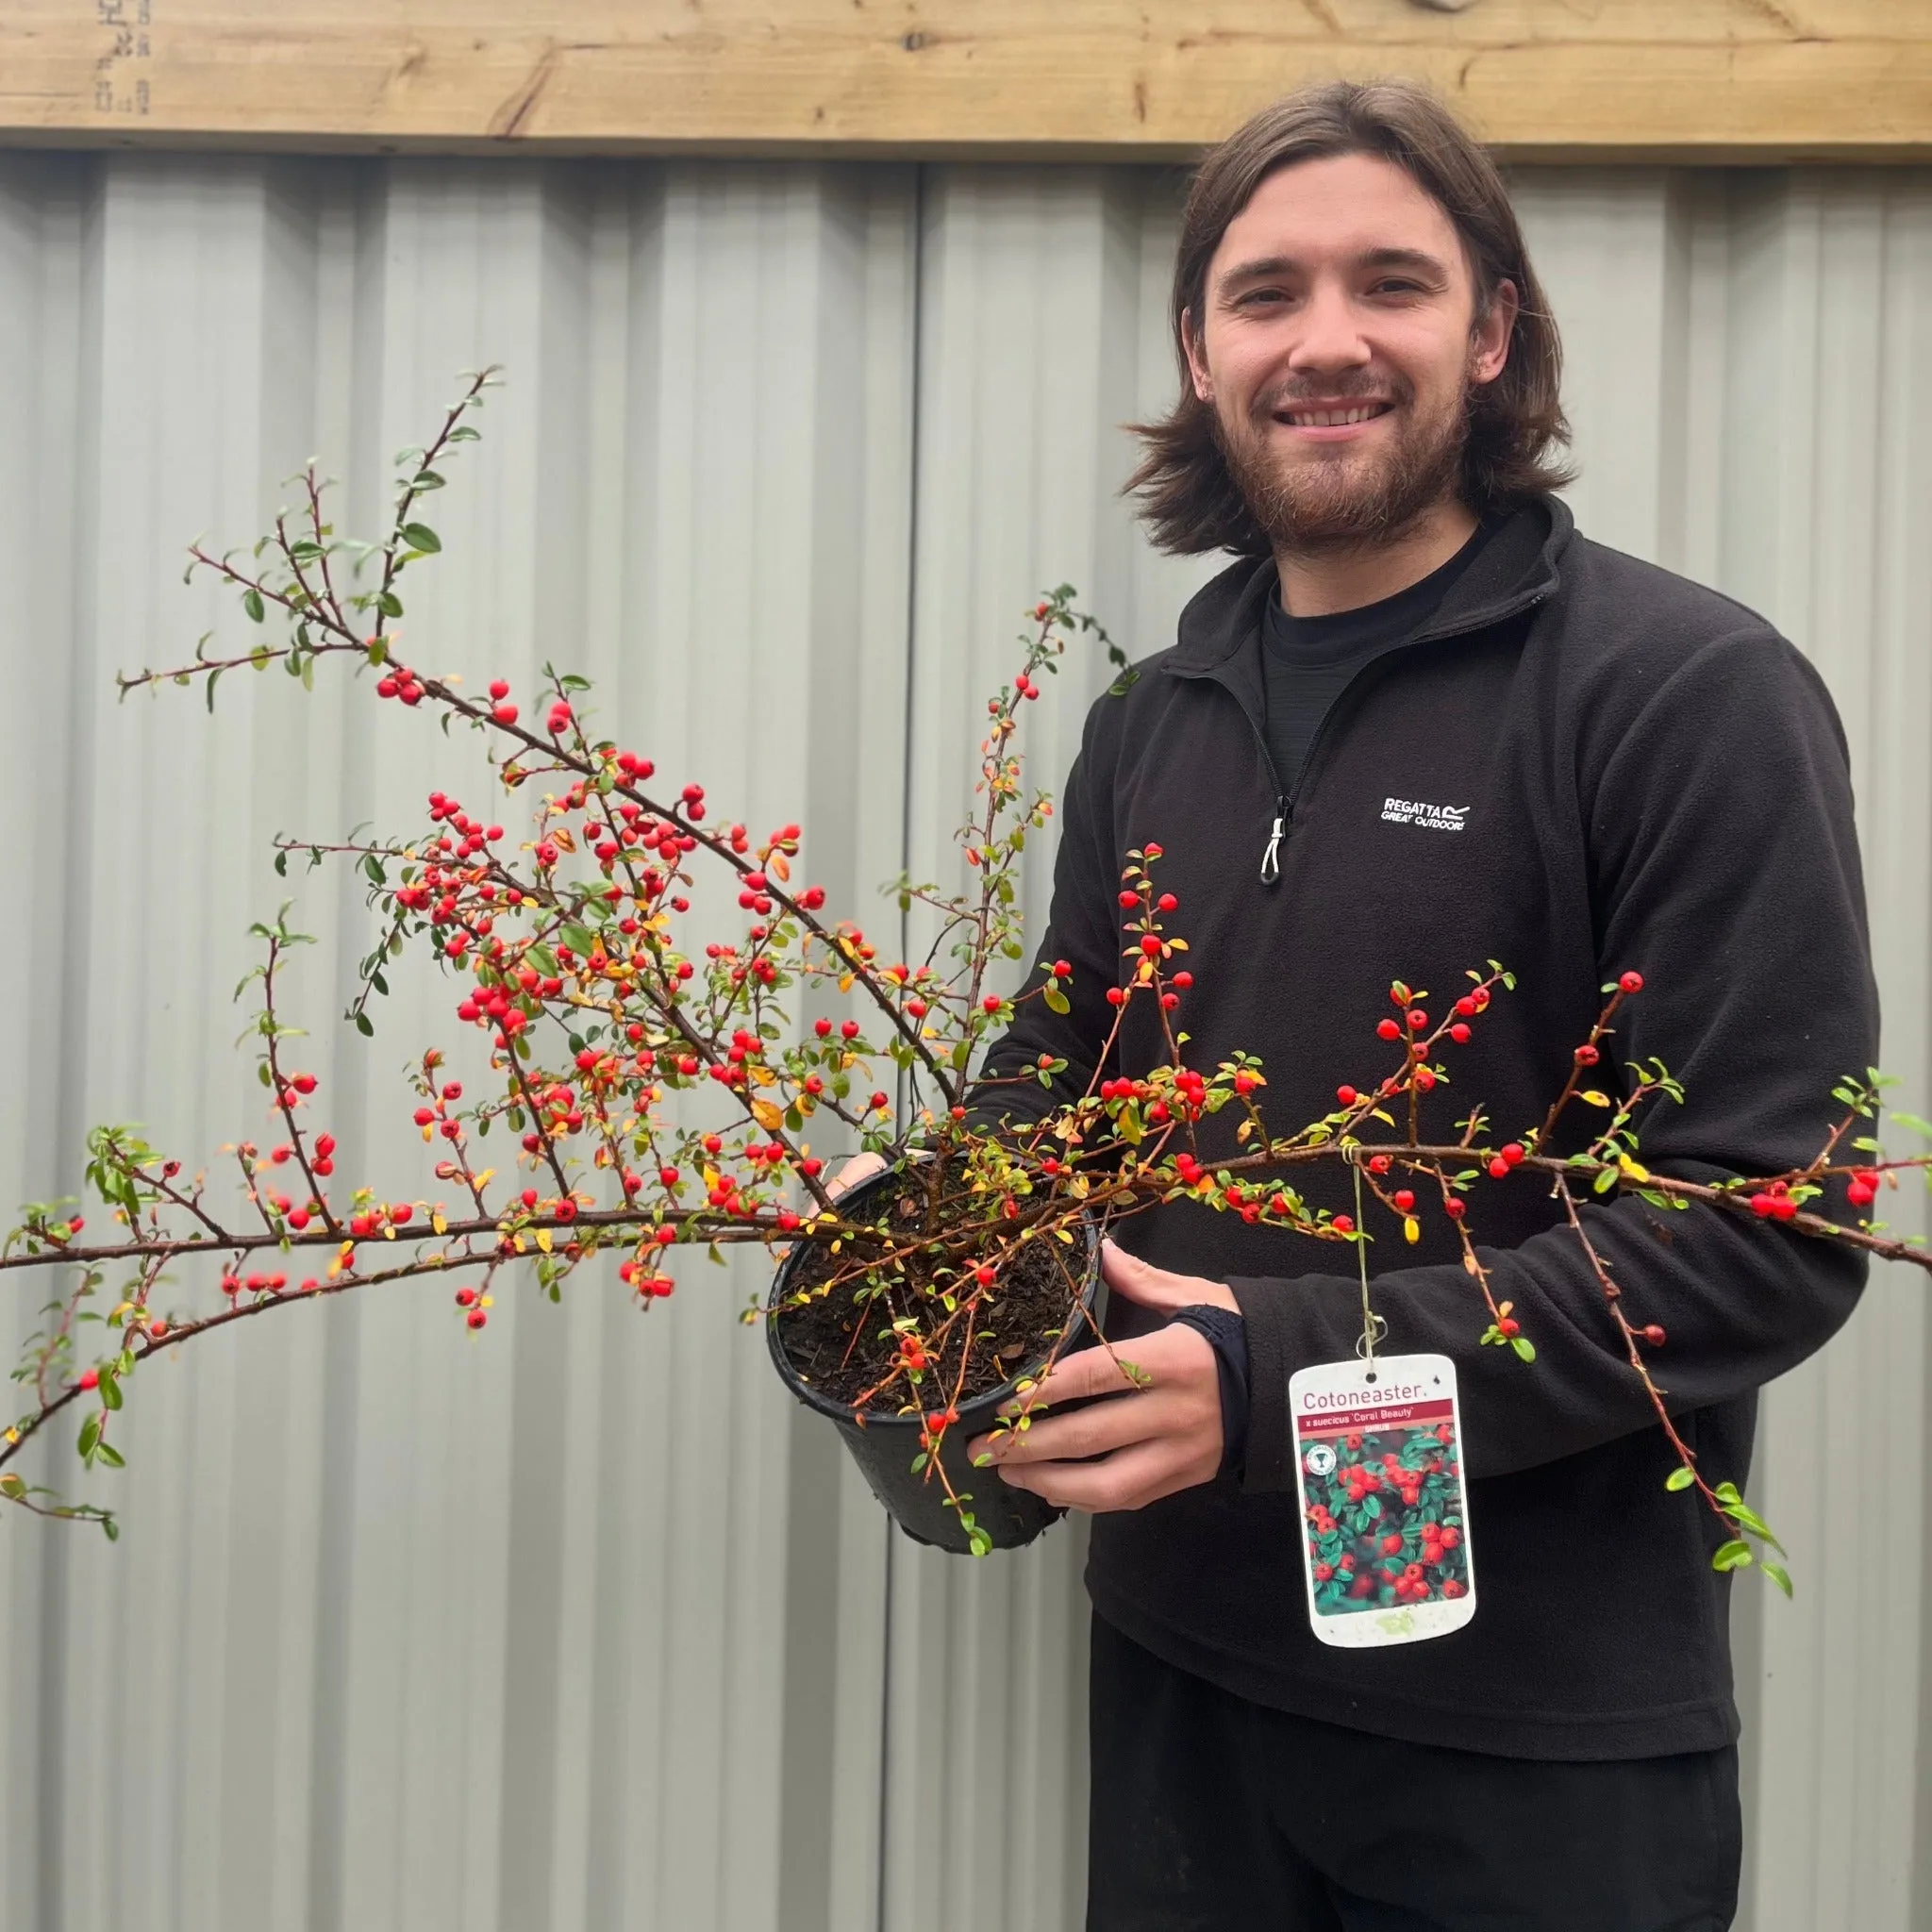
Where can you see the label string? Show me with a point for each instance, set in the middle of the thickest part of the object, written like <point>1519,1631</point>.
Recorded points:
<point>1374,1327</point>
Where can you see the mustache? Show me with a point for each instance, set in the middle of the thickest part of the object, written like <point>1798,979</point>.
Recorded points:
<point>1360,386</point>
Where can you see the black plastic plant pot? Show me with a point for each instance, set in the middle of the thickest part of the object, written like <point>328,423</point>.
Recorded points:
<point>884,1446</point>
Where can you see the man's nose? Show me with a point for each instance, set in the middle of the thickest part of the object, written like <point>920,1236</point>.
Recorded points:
<point>1330,336</point>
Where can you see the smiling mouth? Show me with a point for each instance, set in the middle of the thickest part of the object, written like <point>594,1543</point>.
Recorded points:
<point>1333,418</point>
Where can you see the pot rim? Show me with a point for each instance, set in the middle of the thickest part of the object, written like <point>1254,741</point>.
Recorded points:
<point>824,1405</point>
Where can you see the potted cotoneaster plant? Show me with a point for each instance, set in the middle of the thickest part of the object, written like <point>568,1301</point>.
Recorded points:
<point>660,1090</point>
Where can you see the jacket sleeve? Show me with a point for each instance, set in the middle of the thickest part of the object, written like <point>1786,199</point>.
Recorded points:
<point>1083,929</point>
<point>1725,868</point>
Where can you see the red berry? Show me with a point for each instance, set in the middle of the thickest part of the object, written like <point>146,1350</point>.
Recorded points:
<point>1499,1169</point>
<point>1417,1020</point>
<point>1388,1029</point>
<point>1586,1056</point>
<point>1116,996</point>
<point>1631,982</point>
<point>1653,1335</point>
<point>1167,903</point>
<point>1459,1033</point>
<point>1343,1223</point>
<point>1454,1208</point>
<point>1183,980</point>
<point>89,1378</point>
<point>498,688</point>
<point>1346,1095</point>
<point>1130,898</point>
<point>1513,1153</point>
<point>476,1318</point>
<point>1510,1325</point>
<point>504,714</point>
<point>1404,1199</point>
<point>1391,1545</point>
<point>466,1297</point>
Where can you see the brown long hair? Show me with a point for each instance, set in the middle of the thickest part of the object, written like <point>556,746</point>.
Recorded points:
<point>1516,422</point>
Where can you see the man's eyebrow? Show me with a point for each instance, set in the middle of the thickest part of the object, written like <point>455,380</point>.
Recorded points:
<point>1259,268</point>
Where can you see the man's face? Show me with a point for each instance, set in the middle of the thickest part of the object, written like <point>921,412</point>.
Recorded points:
<point>1338,347</point>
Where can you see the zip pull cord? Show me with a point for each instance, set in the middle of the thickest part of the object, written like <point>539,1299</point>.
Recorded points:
<point>1271,859</point>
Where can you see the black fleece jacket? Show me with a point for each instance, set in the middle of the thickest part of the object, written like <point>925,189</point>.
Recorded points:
<point>1645,776</point>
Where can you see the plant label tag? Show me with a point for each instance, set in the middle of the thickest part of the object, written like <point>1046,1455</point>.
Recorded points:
<point>1378,1463</point>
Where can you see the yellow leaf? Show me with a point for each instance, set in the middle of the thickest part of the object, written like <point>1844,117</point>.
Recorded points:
<point>1596,1099</point>
<point>543,1239</point>
<point>710,1175</point>
<point>768,1114</point>
<point>438,1223</point>
<point>429,1135</point>
<point>1468,1263</point>
<point>560,836</point>
<point>1177,945</point>
<point>762,1077</point>
<point>779,867</point>
<point>1632,1170</point>
<point>845,980</point>
<point>1411,1229</point>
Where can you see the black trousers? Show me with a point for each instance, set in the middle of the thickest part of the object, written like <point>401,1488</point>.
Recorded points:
<point>1212,1814</point>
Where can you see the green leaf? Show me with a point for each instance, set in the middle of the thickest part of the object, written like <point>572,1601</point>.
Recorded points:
<point>579,939</point>
<point>390,604</point>
<point>364,1027</point>
<point>1679,1478</point>
<point>1777,1575</point>
<point>106,1452</point>
<point>1734,1555</point>
<point>421,537</point>
<point>110,1392</point>
<point>110,1529</point>
<point>90,1435</point>
<point>1057,1001</point>
<point>1523,1346</point>
<point>252,604</point>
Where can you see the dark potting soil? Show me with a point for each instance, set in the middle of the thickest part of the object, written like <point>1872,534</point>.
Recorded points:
<point>1016,1326</point>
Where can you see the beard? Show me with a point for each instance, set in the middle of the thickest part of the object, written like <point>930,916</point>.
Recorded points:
<point>1338,498</point>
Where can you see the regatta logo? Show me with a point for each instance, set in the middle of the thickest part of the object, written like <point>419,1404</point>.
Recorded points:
<point>1431,818</point>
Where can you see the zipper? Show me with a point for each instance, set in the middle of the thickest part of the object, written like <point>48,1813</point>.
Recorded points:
<point>1284,805</point>
<point>1282,820</point>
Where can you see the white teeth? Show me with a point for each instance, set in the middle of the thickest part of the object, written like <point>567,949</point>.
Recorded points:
<point>1332,419</point>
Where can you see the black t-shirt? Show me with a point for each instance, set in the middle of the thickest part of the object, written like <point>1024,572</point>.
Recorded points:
<point>1307,662</point>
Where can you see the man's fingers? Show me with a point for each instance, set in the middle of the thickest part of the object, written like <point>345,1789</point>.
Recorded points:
<point>1108,1424</point>
<point>1156,1288</point>
<point>861,1167</point>
<point>1127,1481</point>
<point>1097,1370</point>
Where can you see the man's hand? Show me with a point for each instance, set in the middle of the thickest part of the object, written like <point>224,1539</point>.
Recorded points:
<point>1162,1430</point>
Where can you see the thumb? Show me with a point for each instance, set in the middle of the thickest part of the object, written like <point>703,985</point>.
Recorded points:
<point>1141,1281</point>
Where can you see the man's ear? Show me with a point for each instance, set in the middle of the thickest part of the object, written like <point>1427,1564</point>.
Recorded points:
<point>1491,344</point>
<point>1197,357</point>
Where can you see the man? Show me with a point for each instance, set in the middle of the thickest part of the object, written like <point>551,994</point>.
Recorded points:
<point>1421,722</point>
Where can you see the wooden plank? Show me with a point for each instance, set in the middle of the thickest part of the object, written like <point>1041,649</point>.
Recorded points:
<point>1610,79</point>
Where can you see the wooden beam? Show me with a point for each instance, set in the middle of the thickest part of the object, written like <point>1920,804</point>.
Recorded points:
<point>1722,80</point>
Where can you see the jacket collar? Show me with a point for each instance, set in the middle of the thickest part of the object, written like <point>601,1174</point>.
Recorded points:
<point>1518,568</point>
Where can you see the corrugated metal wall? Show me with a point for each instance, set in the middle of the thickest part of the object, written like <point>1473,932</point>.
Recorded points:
<point>576,1624</point>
